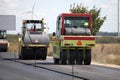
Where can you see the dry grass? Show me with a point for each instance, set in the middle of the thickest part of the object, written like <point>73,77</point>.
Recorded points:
<point>50,50</point>
<point>14,47</point>
<point>13,44</point>
<point>106,53</point>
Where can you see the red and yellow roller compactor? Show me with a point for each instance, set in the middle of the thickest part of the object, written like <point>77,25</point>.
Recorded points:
<point>72,42</point>
<point>34,41</point>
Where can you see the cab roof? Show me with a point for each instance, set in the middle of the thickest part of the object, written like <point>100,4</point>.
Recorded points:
<point>76,14</point>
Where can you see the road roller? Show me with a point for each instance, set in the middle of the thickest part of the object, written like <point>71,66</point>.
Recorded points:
<point>33,41</point>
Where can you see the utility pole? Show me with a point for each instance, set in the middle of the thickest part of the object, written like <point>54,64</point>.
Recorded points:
<point>118,19</point>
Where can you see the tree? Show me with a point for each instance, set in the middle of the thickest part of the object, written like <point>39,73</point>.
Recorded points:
<point>96,18</point>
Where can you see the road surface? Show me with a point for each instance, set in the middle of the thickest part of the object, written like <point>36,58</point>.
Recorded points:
<point>14,69</point>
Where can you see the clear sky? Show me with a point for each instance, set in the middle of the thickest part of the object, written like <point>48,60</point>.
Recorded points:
<point>50,9</point>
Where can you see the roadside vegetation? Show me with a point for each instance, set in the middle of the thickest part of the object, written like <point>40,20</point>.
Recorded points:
<point>107,53</point>
<point>13,44</point>
<point>107,50</point>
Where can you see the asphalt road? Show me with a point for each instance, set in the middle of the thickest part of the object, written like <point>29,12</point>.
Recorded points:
<point>11,70</point>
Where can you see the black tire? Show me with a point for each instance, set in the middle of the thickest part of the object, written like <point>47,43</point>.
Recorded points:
<point>71,59</point>
<point>79,57</point>
<point>87,58</point>
<point>20,57</point>
<point>23,55</point>
<point>5,49</point>
<point>44,54</point>
<point>39,53</point>
<point>56,61</point>
<point>63,57</point>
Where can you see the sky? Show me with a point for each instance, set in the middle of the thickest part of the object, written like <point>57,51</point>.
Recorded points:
<point>50,9</point>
